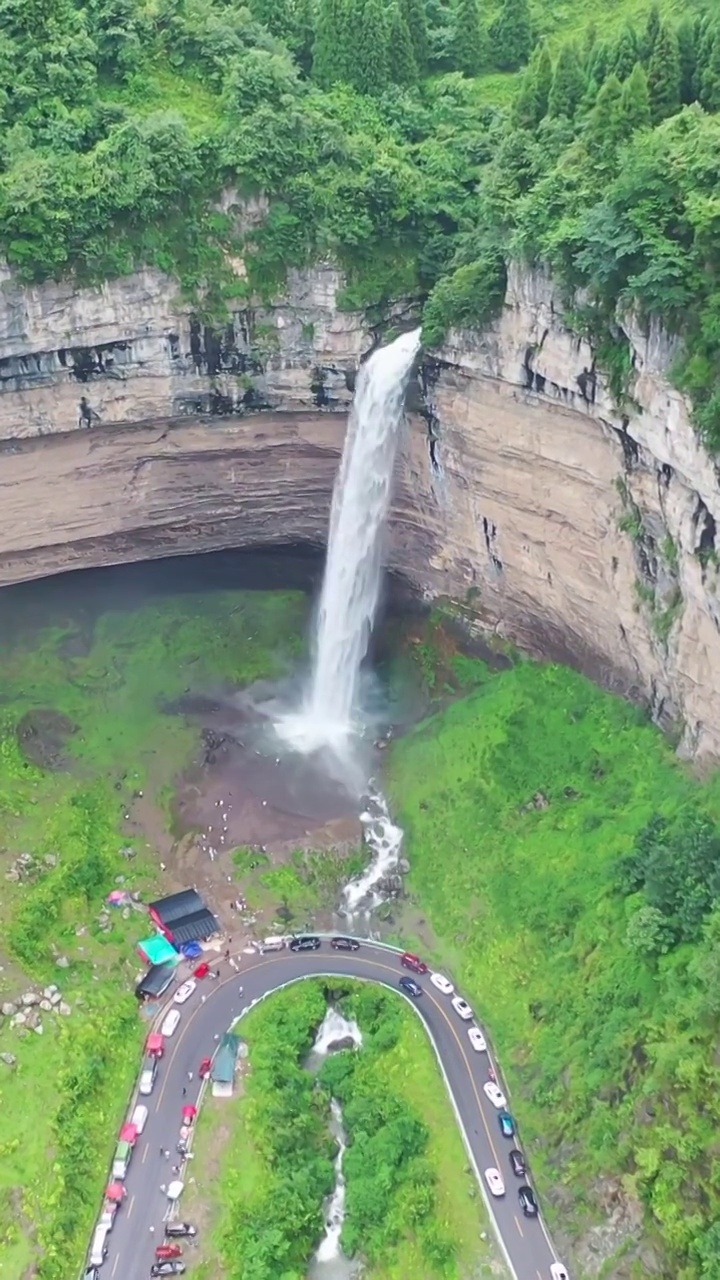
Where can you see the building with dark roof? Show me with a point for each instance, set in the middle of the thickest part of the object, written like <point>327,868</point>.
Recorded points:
<point>184,917</point>
<point>222,1072</point>
<point>155,982</point>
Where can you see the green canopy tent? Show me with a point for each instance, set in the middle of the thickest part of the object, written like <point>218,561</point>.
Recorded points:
<point>157,950</point>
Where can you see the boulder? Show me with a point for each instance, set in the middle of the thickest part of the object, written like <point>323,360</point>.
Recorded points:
<point>62,962</point>
<point>50,991</point>
<point>8,1008</point>
<point>39,1029</point>
<point>64,1009</point>
<point>46,1006</point>
<point>8,1058</point>
<point>55,998</point>
<point>19,1020</point>
<point>30,998</point>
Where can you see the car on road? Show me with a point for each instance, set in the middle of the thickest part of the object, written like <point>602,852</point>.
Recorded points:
<point>184,992</point>
<point>165,1251</point>
<point>528,1203</point>
<point>180,1229</point>
<point>518,1163</point>
<point>559,1272</point>
<point>309,942</point>
<point>169,1268</point>
<point>92,1273</point>
<point>148,1076</point>
<point>99,1246</point>
<point>139,1117</point>
<point>205,1068</point>
<point>344,944</point>
<point>121,1160</point>
<point>495,1182</point>
<point>496,1096</point>
<point>507,1124</point>
<point>462,1008</point>
<point>477,1039</point>
<point>410,961</point>
<point>412,987</point>
<point>442,984</point>
<point>170,1023</point>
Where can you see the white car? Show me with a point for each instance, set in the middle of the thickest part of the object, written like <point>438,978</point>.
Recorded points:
<point>184,992</point>
<point>169,1026</point>
<point>442,984</point>
<point>496,1096</point>
<point>477,1039</point>
<point>139,1117</point>
<point>559,1272</point>
<point>462,1008</point>
<point>495,1182</point>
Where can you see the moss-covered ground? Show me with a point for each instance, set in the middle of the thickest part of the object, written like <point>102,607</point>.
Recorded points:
<point>519,803</point>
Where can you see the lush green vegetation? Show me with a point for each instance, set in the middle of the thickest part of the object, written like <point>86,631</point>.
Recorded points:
<point>109,677</point>
<point>569,868</point>
<point>387,134</point>
<point>408,1207</point>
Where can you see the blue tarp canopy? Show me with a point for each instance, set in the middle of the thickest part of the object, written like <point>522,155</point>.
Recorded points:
<point>191,950</point>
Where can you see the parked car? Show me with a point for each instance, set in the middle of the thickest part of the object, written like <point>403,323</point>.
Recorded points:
<point>442,984</point>
<point>92,1273</point>
<point>121,1160</point>
<point>409,961</point>
<point>184,992</point>
<point>107,1217</point>
<point>495,1182</point>
<point>412,987</point>
<point>462,1008</point>
<point>139,1117</point>
<point>170,1024</point>
<point>180,1229</point>
<point>507,1124</point>
<point>273,944</point>
<point>345,944</point>
<point>477,1039</point>
<point>528,1203</point>
<point>169,1268</point>
<point>205,1068</point>
<point>99,1246</point>
<point>155,1044</point>
<point>310,942</point>
<point>165,1251</point>
<point>518,1163</point>
<point>148,1076</point>
<point>496,1096</point>
<point>558,1272</point>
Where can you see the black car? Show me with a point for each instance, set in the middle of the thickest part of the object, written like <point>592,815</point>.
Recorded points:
<point>528,1203</point>
<point>309,943</point>
<point>412,987</point>
<point>92,1273</point>
<point>180,1229</point>
<point>170,1267</point>
<point>344,944</point>
<point>519,1166</point>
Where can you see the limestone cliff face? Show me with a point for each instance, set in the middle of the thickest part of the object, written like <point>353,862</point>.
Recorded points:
<point>570,528</point>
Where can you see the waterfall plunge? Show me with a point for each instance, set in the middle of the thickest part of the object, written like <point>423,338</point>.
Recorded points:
<point>351,585</point>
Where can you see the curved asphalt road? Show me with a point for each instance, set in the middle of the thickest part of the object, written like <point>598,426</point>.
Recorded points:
<point>132,1241</point>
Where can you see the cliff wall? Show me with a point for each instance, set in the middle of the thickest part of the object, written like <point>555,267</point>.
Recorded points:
<point>572,529</point>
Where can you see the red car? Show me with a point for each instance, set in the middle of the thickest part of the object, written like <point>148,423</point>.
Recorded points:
<point>205,1068</point>
<point>409,961</point>
<point>164,1251</point>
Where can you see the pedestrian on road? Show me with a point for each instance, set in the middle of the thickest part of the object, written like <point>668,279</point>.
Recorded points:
<point>227,953</point>
<point>152,1229</point>
<point>184,1091</point>
<point>162,1151</point>
<point>190,1075</point>
<point>176,1169</point>
<point>167,1155</point>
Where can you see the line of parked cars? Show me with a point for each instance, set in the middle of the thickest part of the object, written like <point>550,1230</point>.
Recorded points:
<point>496,1185</point>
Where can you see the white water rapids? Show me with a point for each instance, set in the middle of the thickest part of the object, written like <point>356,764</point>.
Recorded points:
<point>329,1262</point>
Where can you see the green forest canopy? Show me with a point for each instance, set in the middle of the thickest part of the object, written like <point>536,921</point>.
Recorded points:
<point>393,135</point>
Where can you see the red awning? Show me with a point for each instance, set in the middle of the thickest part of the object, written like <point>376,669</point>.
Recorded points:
<point>155,1043</point>
<point>115,1192</point>
<point>128,1133</point>
<point>189,1113</point>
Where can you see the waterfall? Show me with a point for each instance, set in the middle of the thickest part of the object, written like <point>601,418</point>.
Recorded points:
<point>351,584</point>
<point>329,1247</point>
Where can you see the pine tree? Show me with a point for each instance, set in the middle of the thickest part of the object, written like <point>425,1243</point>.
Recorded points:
<point>569,83</point>
<point>370,72</point>
<point>625,53</point>
<point>664,75</point>
<point>402,65</point>
<point>599,64</point>
<point>304,34</point>
<point>705,36</point>
<point>710,82</point>
<point>688,59</point>
<point>531,104</point>
<point>652,31</point>
<point>326,51</point>
<point>606,126</point>
<point>414,13</point>
<point>273,14</point>
<point>589,42</point>
<point>511,35</point>
<point>636,100</point>
<point>469,44</point>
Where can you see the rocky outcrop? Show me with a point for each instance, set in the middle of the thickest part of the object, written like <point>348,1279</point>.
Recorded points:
<point>570,527</point>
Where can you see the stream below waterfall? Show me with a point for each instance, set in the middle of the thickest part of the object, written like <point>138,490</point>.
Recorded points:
<point>329,1262</point>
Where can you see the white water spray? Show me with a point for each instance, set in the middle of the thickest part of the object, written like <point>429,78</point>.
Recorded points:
<point>329,1262</point>
<point>351,585</point>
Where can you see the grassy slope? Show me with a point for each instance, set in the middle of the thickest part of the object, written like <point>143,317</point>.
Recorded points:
<point>225,1148</point>
<point>135,659</point>
<point>524,906</point>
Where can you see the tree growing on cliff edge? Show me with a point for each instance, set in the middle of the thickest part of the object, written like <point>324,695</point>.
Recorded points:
<point>469,38</point>
<point>664,75</point>
<point>511,36</point>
